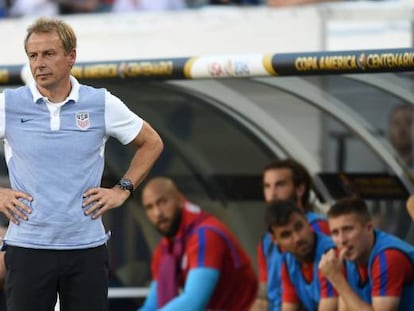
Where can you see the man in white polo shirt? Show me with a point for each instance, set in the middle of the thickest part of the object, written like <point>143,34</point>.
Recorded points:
<point>54,133</point>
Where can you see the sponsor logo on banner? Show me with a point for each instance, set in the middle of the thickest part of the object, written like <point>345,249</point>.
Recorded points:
<point>215,69</point>
<point>82,120</point>
<point>229,68</point>
<point>237,68</point>
<point>362,61</point>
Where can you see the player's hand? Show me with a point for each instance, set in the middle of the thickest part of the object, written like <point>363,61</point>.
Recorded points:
<point>331,263</point>
<point>12,204</point>
<point>99,200</point>
<point>410,206</point>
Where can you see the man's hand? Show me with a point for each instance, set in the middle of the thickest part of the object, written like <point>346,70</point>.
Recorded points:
<point>100,200</point>
<point>331,264</point>
<point>12,206</point>
<point>410,206</point>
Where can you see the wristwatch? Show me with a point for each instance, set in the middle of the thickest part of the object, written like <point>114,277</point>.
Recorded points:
<point>126,184</point>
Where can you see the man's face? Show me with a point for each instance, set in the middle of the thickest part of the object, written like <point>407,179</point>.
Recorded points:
<point>163,209</point>
<point>278,185</point>
<point>349,232</point>
<point>295,237</point>
<point>400,130</point>
<point>49,64</point>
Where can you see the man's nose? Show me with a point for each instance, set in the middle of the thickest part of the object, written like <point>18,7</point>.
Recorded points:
<point>296,236</point>
<point>39,62</point>
<point>156,212</point>
<point>342,239</point>
<point>275,194</point>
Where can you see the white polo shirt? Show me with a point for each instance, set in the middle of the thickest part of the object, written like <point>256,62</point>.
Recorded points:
<point>55,152</point>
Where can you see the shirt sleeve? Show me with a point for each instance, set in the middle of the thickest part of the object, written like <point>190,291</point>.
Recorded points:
<point>261,263</point>
<point>390,271</point>
<point>327,290</point>
<point>206,248</point>
<point>150,303</point>
<point>289,294</point>
<point>120,121</point>
<point>198,288</point>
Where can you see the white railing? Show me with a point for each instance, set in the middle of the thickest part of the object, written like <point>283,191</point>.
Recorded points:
<point>127,292</point>
<point>121,292</point>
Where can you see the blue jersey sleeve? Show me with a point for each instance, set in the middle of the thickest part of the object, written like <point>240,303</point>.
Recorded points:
<point>198,288</point>
<point>150,303</point>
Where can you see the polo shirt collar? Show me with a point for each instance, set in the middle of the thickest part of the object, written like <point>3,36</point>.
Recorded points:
<point>73,95</point>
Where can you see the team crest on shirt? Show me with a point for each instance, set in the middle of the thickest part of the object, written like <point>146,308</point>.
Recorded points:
<point>82,120</point>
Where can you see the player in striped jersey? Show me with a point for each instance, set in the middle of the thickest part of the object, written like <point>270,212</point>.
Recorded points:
<point>379,266</point>
<point>302,283</point>
<point>198,264</point>
<point>282,180</point>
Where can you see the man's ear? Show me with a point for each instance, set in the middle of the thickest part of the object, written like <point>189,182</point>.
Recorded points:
<point>72,55</point>
<point>369,225</point>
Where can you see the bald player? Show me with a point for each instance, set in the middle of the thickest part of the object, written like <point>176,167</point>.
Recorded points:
<point>198,264</point>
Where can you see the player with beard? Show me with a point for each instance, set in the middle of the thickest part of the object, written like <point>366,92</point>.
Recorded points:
<point>282,180</point>
<point>301,282</point>
<point>379,266</point>
<point>198,264</point>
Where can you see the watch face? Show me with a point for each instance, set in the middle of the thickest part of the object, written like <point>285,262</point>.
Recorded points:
<point>126,184</point>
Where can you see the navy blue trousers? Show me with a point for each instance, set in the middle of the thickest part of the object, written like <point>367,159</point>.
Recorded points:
<point>35,277</point>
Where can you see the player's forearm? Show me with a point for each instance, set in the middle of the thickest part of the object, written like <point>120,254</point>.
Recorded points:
<point>348,296</point>
<point>261,304</point>
<point>328,304</point>
<point>150,303</point>
<point>150,147</point>
<point>198,289</point>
